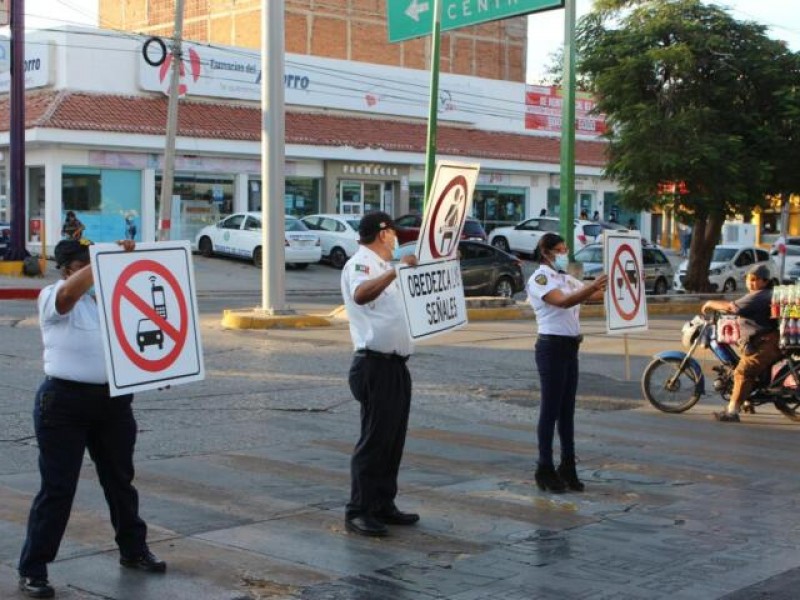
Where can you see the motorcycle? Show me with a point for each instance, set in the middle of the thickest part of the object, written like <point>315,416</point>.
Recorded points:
<point>674,381</point>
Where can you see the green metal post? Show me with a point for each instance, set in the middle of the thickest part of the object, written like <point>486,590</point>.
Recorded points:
<point>433,112</point>
<point>567,178</point>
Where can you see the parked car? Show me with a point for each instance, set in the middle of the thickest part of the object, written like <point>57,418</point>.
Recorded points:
<point>792,263</point>
<point>408,229</point>
<point>729,265</point>
<point>338,235</point>
<point>658,272</point>
<point>522,238</point>
<point>239,235</point>
<point>485,270</point>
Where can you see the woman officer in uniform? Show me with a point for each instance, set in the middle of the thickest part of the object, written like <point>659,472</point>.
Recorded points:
<point>556,298</point>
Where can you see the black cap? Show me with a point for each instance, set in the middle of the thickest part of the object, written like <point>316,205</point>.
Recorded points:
<point>68,250</point>
<point>761,272</point>
<point>374,222</point>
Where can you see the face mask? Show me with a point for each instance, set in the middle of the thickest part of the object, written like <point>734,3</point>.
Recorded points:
<point>561,262</point>
<point>396,250</point>
<point>91,292</point>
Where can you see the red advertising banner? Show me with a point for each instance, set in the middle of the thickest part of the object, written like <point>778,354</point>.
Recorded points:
<point>543,111</point>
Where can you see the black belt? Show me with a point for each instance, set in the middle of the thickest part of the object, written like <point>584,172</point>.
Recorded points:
<point>577,339</point>
<point>77,385</point>
<point>373,354</point>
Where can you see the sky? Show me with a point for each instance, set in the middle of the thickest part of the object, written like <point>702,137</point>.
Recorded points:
<point>545,30</point>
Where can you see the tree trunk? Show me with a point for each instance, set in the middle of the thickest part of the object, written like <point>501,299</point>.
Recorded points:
<point>705,236</point>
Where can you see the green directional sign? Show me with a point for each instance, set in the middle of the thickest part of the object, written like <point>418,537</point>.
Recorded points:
<point>409,19</point>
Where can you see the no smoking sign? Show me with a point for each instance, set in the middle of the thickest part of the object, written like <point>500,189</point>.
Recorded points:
<point>148,315</point>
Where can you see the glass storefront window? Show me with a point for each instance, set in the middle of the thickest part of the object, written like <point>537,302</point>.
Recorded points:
<point>301,196</point>
<point>416,198</point>
<point>35,203</point>
<point>107,201</point>
<point>198,200</point>
<point>498,206</point>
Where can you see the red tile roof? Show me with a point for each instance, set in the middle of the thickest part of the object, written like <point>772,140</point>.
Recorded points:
<point>147,115</point>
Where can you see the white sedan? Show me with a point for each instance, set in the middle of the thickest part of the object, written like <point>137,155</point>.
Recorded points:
<point>240,235</point>
<point>338,234</point>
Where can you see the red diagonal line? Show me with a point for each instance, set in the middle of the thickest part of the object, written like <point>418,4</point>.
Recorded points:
<point>149,312</point>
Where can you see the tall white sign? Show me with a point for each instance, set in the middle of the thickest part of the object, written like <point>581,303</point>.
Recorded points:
<point>626,304</point>
<point>148,315</point>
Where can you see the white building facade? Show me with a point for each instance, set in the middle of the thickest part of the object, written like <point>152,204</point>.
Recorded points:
<point>355,139</point>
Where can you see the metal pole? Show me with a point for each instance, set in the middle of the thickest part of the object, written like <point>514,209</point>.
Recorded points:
<point>168,171</point>
<point>16,249</point>
<point>433,107</point>
<point>272,158</point>
<point>567,178</point>
<point>784,231</point>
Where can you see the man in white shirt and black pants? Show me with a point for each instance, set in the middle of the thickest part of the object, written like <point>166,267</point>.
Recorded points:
<point>379,378</point>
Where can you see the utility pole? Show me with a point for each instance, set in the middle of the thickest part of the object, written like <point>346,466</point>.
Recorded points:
<point>168,171</point>
<point>567,178</point>
<point>273,277</point>
<point>16,249</point>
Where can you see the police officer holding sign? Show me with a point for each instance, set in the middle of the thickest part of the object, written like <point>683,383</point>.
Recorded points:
<point>379,378</point>
<point>73,412</point>
<point>556,298</point>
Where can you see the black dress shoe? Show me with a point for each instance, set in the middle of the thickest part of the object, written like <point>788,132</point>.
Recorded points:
<point>569,475</point>
<point>33,587</point>
<point>144,562</point>
<point>395,517</point>
<point>548,480</point>
<point>365,525</point>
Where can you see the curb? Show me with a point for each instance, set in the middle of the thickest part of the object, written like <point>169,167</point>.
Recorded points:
<point>19,293</point>
<point>258,319</point>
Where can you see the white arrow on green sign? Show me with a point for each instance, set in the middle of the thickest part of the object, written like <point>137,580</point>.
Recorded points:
<point>409,19</point>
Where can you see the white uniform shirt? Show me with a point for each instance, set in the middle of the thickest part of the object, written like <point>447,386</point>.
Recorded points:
<point>73,346</point>
<point>551,319</point>
<point>379,325</point>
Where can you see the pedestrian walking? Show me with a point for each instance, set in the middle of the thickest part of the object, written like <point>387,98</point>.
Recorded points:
<point>556,298</point>
<point>379,378</point>
<point>73,411</point>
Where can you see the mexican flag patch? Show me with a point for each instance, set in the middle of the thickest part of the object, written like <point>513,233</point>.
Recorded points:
<point>362,269</point>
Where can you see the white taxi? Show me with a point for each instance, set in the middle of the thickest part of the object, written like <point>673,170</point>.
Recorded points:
<point>338,234</point>
<point>240,235</point>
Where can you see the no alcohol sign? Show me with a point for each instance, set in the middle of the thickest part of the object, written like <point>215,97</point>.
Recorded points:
<point>626,306</point>
<point>450,202</point>
<point>148,315</point>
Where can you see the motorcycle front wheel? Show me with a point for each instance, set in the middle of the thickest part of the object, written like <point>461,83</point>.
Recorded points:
<point>667,390</point>
<point>790,407</point>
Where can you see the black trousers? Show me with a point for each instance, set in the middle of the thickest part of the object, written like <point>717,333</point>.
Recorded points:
<point>557,362</point>
<point>69,418</point>
<point>383,388</point>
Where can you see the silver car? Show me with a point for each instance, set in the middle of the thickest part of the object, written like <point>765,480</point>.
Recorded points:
<point>658,272</point>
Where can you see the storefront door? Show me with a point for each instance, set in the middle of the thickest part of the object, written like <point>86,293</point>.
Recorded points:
<point>360,197</point>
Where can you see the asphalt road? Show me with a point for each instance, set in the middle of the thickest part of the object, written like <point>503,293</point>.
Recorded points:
<point>243,477</point>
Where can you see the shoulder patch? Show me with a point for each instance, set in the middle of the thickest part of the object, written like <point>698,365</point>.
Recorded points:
<point>541,279</point>
<point>362,269</point>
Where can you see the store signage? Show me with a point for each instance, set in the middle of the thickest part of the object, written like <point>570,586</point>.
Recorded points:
<point>543,106</point>
<point>36,66</point>
<point>368,169</point>
<point>236,73</point>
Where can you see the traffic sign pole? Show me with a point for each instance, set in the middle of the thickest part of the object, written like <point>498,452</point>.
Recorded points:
<point>433,108</point>
<point>567,178</point>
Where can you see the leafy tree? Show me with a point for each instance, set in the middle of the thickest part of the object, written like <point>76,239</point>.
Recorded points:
<point>693,96</point>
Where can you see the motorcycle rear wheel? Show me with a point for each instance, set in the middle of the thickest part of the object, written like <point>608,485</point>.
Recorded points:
<point>790,407</point>
<point>683,394</point>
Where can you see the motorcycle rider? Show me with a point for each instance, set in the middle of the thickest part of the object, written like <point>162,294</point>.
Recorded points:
<point>758,338</point>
